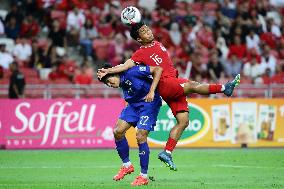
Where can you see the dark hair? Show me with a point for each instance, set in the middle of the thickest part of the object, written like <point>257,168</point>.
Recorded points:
<point>134,31</point>
<point>103,79</point>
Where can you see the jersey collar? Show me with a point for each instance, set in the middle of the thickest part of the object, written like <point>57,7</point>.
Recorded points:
<point>148,46</point>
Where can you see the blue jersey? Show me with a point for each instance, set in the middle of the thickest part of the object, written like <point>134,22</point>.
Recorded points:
<point>136,83</point>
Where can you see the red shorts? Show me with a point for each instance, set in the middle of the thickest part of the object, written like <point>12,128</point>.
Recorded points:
<point>172,93</point>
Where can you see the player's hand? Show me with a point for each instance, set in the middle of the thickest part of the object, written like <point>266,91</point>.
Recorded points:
<point>101,73</point>
<point>149,97</point>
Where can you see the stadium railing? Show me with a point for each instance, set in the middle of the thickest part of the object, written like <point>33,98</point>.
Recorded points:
<point>48,91</point>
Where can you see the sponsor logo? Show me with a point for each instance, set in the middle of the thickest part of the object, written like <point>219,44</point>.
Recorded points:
<point>142,68</point>
<point>199,124</point>
<point>55,121</point>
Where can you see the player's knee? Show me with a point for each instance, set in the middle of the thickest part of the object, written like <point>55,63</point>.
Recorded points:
<point>192,86</point>
<point>185,124</point>
<point>141,137</point>
<point>118,133</point>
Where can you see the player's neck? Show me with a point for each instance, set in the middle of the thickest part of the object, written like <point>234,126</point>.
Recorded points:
<point>145,45</point>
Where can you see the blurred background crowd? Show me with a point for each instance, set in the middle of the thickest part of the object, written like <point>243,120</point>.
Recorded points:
<point>64,41</point>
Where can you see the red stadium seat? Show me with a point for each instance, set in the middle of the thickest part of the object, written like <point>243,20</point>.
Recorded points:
<point>128,3</point>
<point>61,81</point>
<point>4,81</point>
<point>197,13</point>
<point>32,80</point>
<point>56,14</point>
<point>196,6</point>
<point>211,6</point>
<point>28,72</point>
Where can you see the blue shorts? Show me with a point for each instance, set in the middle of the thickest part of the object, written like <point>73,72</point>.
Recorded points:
<point>143,115</point>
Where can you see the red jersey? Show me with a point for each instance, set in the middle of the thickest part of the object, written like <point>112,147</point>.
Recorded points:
<point>170,87</point>
<point>156,55</point>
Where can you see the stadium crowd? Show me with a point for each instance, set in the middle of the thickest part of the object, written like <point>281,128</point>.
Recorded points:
<point>64,41</point>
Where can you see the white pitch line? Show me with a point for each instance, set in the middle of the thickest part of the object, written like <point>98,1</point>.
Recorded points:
<point>245,166</point>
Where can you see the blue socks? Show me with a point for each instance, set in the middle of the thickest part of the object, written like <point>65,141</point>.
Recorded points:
<point>122,148</point>
<point>144,153</point>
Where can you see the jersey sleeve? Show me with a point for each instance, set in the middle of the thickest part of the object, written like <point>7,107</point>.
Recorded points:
<point>137,57</point>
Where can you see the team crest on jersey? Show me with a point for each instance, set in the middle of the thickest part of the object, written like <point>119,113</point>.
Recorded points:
<point>127,82</point>
<point>142,68</point>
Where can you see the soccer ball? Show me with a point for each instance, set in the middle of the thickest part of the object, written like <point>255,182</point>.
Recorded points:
<point>130,15</point>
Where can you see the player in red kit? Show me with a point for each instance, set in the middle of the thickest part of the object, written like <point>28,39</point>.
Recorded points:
<point>172,89</point>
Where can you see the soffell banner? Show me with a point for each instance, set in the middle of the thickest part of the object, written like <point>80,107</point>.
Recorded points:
<point>223,123</point>
<point>58,123</point>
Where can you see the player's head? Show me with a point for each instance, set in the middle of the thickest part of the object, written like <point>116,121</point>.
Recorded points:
<point>141,33</point>
<point>111,80</point>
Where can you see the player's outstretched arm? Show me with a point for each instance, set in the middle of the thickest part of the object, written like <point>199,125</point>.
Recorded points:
<point>156,71</point>
<point>116,69</point>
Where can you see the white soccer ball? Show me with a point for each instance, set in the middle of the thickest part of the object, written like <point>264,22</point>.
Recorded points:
<point>130,15</point>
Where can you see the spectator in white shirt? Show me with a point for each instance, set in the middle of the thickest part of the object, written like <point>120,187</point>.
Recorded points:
<point>5,57</point>
<point>22,50</point>
<point>175,34</point>
<point>268,61</point>
<point>221,45</point>
<point>252,41</point>
<point>252,68</point>
<point>75,19</point>
<point>271,26</point>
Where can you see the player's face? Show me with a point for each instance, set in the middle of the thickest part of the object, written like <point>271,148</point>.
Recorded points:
<point>146,35</point>
<point>113,82</point>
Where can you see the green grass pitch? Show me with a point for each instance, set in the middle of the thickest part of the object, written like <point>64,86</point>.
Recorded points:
<point>197,168</point>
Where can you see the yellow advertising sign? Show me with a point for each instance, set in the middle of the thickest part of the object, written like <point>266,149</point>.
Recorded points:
<point>223,123</point>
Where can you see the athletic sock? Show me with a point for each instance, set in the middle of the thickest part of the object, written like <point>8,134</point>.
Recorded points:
<point>122,148</point>
<point>144,153</point>
<point>216,88</point>
<point>144,175</point>
<point>127,164</point>
<point>169,152</point>
<point>171,144</point>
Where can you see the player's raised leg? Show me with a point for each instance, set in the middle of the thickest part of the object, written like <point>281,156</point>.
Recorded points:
<point>144,152</point>
<point>205,89</point>
<point>122,148</point>
<point>182,117</point>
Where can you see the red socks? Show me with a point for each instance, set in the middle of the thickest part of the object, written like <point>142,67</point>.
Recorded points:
<point>171,144</point>
<point>215,88</point>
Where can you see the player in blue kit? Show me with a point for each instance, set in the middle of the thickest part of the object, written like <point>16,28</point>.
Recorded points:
<point>142,110</point>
